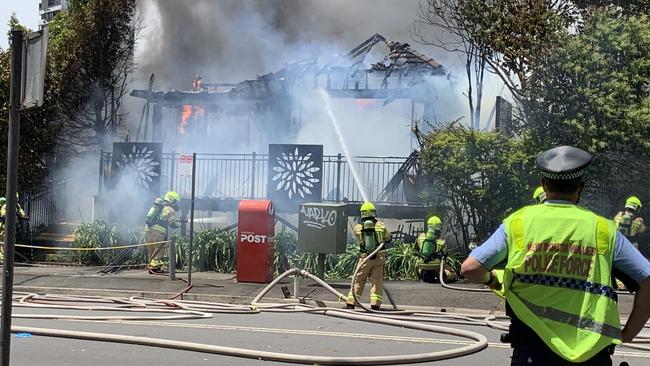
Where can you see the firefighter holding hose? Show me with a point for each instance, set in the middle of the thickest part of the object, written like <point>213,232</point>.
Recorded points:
<point>558,274</point>
<point>370,233</point>
<point>160,218</point>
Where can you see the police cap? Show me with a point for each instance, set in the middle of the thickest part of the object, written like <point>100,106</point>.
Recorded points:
<point>563,163</point>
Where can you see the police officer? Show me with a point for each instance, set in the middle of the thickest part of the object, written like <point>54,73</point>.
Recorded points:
<point>557,279</point>
<point>369,233</point>
<point>539,196</point>
<point>627,221</point>
<point>160,217</point>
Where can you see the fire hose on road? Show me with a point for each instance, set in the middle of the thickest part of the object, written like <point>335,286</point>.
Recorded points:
<point>159,310</point>
<point>177,309</point>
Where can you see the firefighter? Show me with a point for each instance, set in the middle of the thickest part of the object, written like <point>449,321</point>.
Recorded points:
<point>432,250</point>
<point>20,214</point>
<point>369,233</point>
<point>430,243</point>
<point>197,84</point>
<point>627,221</point>
<point>557,279</point>
<point>539,196</point>
<point>160,218</point>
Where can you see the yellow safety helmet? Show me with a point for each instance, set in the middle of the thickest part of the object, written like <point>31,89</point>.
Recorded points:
<point>434,223</point>
<point>368,210</point>
<point>172,197</point>
<point>539,196</point>
<point>633,202</point>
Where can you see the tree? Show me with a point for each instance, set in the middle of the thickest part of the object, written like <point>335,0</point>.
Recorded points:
<point>507,36</point>
<point>38,131</point>
<point>627,7</point>
<point>480,177</point>
<point>446,15</point>
<point>92,57</point>
<point>592,92</point>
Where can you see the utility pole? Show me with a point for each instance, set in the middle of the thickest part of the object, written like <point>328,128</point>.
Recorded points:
<point>12,181</point>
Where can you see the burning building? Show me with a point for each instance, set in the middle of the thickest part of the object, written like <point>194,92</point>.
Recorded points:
<point>269,106</point>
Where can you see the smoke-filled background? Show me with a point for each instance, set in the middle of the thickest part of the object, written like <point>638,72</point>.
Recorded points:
<point>228,41</point>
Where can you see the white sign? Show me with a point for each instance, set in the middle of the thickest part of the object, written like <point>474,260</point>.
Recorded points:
<point>252,238</point>
<point>185,165</point>
<point>34,63</point>
<point>318,217</point>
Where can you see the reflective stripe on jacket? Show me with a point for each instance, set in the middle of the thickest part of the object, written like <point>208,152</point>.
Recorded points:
<point>628,224</point>
<point>558,278</point>
<point>161,216</point>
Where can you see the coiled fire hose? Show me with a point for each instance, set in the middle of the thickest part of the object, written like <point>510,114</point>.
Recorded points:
<point>178,309</point>
<point>196,309</point>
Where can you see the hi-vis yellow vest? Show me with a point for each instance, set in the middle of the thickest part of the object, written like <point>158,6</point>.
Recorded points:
<point>558,277</point>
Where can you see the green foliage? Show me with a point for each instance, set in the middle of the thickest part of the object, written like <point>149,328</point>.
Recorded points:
<point>96,234</point>
<point>627,7</point>
<point>402,262</point>
<point>38,131</point>
<point>346,262</point>
<point>478,177</point>
<point>592,92</point>
<point>285,251</point>
<point>214,250</point>
<point>91,57</point>
<point>99,234</point>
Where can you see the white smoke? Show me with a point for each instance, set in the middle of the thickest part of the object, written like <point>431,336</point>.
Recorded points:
<point>229,41</point>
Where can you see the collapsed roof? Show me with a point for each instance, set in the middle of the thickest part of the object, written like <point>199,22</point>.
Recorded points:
<point>345,76</point>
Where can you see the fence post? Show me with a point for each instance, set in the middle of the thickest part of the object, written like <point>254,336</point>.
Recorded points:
<point>101,173</point>
<point>189,266</point>
<point>338,178</point>
<point>171,253</point>
<point>253,177</point>
<point>172,175</point>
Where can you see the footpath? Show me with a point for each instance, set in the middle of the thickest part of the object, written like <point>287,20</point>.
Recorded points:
<point>224,288</point>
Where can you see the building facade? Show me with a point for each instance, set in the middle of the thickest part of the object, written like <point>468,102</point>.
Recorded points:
<point>48,9</point>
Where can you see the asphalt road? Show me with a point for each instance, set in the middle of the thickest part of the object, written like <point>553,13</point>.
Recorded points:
<point>278,332</point>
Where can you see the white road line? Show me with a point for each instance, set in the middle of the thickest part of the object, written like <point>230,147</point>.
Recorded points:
<point>323,333</point>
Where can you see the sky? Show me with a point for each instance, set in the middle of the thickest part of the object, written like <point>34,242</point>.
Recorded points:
<point>27,12</point>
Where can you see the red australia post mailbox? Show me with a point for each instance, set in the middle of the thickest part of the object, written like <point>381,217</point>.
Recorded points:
<point>255,241</point>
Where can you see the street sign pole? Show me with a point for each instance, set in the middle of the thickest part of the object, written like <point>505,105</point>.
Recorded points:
<point>12,182</point>
<point>189,268</point>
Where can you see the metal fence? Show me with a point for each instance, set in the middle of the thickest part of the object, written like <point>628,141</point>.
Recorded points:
<point>244,176</point>
<point>46,208</point>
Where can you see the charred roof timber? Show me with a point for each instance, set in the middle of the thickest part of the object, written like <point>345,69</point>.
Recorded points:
<point>345,77</point>
<point>404,73</point>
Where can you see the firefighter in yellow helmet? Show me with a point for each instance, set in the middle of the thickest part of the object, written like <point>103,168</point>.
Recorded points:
<point>369,234</point>
<point>539,196</point>
<point>20,214</point>
<point>557,280</point>
<point>432,249</point>
<point>627,221</point>
<point>160,218</point>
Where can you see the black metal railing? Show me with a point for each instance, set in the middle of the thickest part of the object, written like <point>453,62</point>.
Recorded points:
<point>46,208</point>
<point>244,176</point>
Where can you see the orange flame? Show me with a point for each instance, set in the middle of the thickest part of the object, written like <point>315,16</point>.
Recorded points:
<point>189,112</point>
<point>364,103</point>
